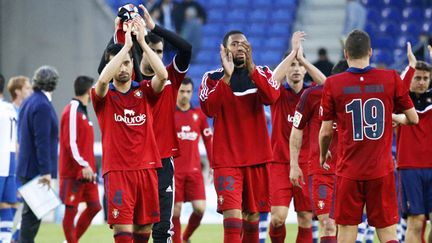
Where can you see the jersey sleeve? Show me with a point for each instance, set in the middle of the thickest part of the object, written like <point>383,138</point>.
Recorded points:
<point>75,123</point>
<point>304,110</point>
<point>268,88</point>
<point>151,96</point>
<point>211,95</point>
<point>207,136</point>
<point>98,102</point>
<point>328,105</point>
<point>402,100</point>
<point>407,76</point>
<point>175,76</point>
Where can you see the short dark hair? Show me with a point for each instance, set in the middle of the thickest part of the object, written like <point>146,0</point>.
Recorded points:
<point>340,67</point>
<point>2,83</point>
<point>230,33</point>
<point>152,38</point>
<point>82,84</point>
<point>357,44</point>
<point>423,66</point>
<point>187,81</point>
<point>322,51</point>
<point>45,78</point>
<point>112,50</point>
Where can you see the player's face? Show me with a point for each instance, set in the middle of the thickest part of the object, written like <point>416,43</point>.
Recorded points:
<point>25,91</point>
<point>158,49</point>
<point>420,82</point>
<point>184,94</point>
<point>124,73</point>
<point>233,45</point>
<point>296,72</point>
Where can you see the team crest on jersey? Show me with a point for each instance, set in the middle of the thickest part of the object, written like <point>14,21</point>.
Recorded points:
<point>115,213</point>
<point>195,116</point>
<point>72,198</point>
<point>138,94</point>
<point>429,100</point>
<point>321,204</point>
<point>220,199</point>
<point>297,118</point>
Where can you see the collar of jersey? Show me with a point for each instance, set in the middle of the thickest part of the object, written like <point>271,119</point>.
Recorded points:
<point>359,70</point>
<point>287,87</point>
<point>134,85</point>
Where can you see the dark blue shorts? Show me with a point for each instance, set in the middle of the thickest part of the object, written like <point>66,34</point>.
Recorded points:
<point>8,189</point>
<point>415,188</point>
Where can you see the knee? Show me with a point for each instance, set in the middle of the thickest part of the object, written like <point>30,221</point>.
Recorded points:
<point>328,226</point>
<point>199,211</point>
<point>177,210</point>
<point>415,223</point>
<point>277,220</point>
<point>304,219</point>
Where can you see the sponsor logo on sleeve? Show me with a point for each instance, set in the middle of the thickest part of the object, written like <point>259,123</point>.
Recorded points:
<point>297,119</point>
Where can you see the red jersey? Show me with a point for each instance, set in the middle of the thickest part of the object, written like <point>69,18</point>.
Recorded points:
<point>163,113</point>
<point>282,113</point>
<point>76,141</point>
<point>361,102</point>
<point>418,156</point>
<point>240,129</point>
<point>126,124</point>
<point>190,125</point>
<point>307,117</point>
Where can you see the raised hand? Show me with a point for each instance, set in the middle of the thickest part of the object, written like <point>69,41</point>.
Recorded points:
<point>412,60</point>
<point>227,61</point>
<point>430,51</point>
<point>300,56</point>
<point>249,59</point>
<point>147,18</point>
<point>139,28</point>
<point>128,37</point>
<point>296,40</point>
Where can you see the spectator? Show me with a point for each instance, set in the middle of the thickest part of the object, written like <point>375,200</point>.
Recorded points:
<point>323,63</point>
<point>355,17</point>
<point>38,139</point>
<point>166,9</point>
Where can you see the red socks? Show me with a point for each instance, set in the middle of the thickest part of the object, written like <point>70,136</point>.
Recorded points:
<point>232,230</point>
<point>86,217</point>
<point>141,238</point>
<point>277,234</point>
<point>328,239</point>
<point>392,241</point>
<point>194,222</point>
<point>250,232</point>
<point>177,230</point>
<point>304,235</point>
<point>124,237</point>
<point>68,224</point>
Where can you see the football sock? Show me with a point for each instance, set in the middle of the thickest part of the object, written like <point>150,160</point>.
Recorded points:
<point>277,234</point>
<point>370,234</point>
<point>6,224</point>
<point>328,239</point>
<point>263,225</point>
<point>194,222</point>
<point>315,231</point>
<point>361,230</point>
<point>86,217</point>
<point>250,231</point>
<point>232,230</point>
<point>177,230</point>
<point>123,237</point>
<point>392,241</point>
<point>304,235</point>
<point>68,224</point>
<point>141,238</point>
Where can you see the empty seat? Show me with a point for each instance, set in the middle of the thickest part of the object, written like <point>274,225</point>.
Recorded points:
<point>391,14</point>
<point>410,28</point>
<point>373,15</point>
<point>412,14</point>
<point>382,56</point>
<point>258,15</point>
<point>389,28</point>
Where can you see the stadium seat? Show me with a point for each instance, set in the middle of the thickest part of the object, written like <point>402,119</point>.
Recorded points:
<point>236,15</point>
<point>389,28</point>
<point>399,54</point>
<point>211,29</point>
<point>402,40</point>
<point>391,14</point>
<point>373,15</point>
<point>382,57</point>
<point>258,15</point>
<point>393,3</point>
<point>256,42</point>
<point>371,28</point>
<point>414,3</point>
<point>381,42</point>
<point>276,43</point>
<point>412,14</point>
<point>236,4</point>
<point>269,58</point>
<point>207,57</point>
<point>427,27</point>
<point>282,16</point>
<point>427,13</point>
<point>258,29</point>
<point>282,30</point>
<point>215,17</point>
<point>211,4</point>
<point>375,4</point>
<point>284,4</point>
<point>261,4</point>
<point>410,28</point>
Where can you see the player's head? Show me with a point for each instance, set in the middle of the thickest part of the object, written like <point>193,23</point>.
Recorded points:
<point>185,92</point>
<point>82,85</point>
<point>422,78</point>
<point>357,45</point>
<point>340,67</point>
<point>124,72</point>
<point>45,78</point>
<point>19,88</point>
<point>156,43</point>
<point>231,42</point>
<point>322,53</point>
<point>2,83</point>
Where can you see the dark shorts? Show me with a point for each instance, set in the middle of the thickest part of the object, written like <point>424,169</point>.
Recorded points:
<point>415,191</point>
<point>8,189</point>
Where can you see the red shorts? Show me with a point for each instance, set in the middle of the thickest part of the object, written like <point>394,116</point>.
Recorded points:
<point>189,187</point>
<point>132,197</point>
<point>72,192</point>
<point>244,188</point>
<point>322,193</point>
<point>379,195</point>
<point>282,190</point>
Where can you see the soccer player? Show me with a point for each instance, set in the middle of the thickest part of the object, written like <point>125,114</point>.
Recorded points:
<point>234,96</point>
<point>361,101</point>
<point>77,162</point>
<point>414,164</point>
<point>292,69</point>
<point>8,141</point>
<point>123,109</point>
<point>191,124</point>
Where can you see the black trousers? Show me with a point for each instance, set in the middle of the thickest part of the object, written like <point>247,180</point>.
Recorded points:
<point>29,223</point>
<point>162,231</point>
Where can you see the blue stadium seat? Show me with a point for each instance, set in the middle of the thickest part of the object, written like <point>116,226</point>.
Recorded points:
<point>372,3</point>
<point>412,14</point>
<point>394,3</point>
<point>211,43</point>
<point>212,29</point>
<point>427,27</point>
<point>258,29</point>
<point>282,16</point>
<point>258,15</point>
<point>373,15</point>
<point>256,42</point>
<point>215,17</point>
<point>276,43</point>
<point>410,28</point>
<point>403,39</point>
<point>210,4</point>
<point>261,3</point>
<point>414,3</point>
<point>381,42</point>
<point>389,28</point>
<point>382,57</point>
<point>236,4</point>
<point>371,28</point>
<point>427,13</point>
<point>391,14</point>
<point>236,15</point>
<point>270,58</point>
<point>282,30</point>
<point>399,54</point>
<point>207,57</point>
<point>285,4</point>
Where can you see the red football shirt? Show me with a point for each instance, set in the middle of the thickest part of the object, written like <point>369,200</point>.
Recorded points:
<point>307,117</point>
<point>190,125</point>
<point>282,113</point>
<point>76,141</point>
<point>163,113</point>
<point>240,130</point>
<point>361,102</point>
<point>126,124</point>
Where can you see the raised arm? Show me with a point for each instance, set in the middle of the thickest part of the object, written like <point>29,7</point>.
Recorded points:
<point>317,76</point>
<point>281,70</point>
